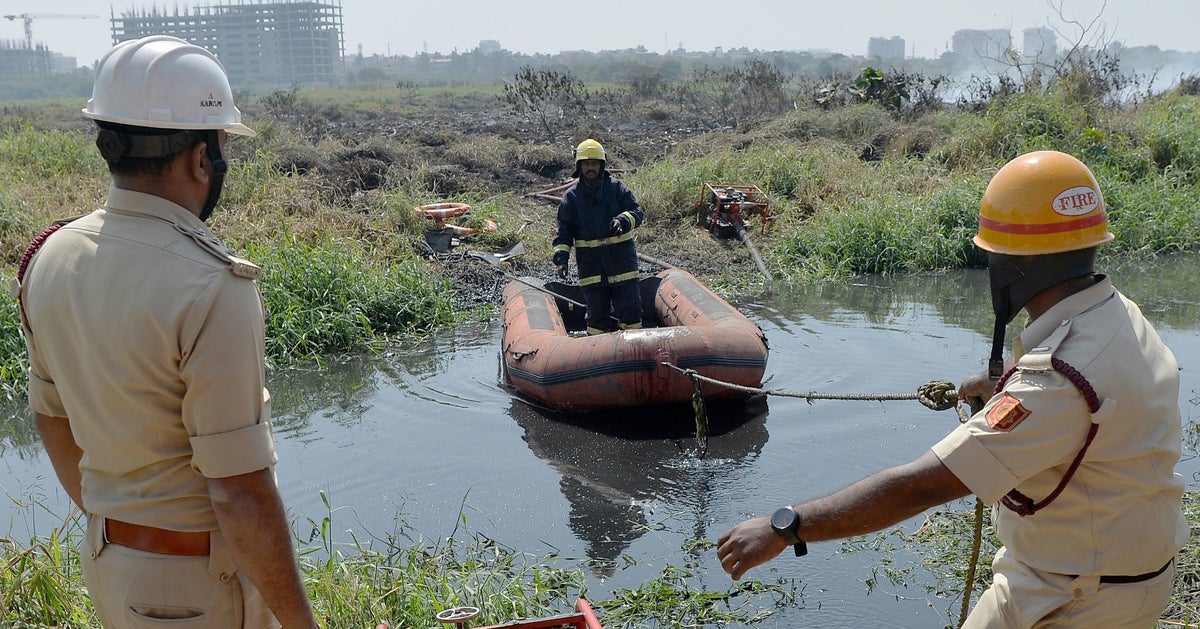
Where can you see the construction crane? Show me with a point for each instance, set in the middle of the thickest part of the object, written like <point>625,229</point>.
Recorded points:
<point>28,19</point>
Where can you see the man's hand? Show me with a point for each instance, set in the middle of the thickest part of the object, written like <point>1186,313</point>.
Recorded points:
<point>562,271</point>
<point>748,544</point>
<point>976,391</point>
<point>618,226</point>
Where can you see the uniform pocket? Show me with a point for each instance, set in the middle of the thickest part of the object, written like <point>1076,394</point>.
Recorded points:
<point>157,615</point>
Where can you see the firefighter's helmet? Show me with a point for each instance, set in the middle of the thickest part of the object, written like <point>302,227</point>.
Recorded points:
<point>589,149</point>
<point>1042,202</point>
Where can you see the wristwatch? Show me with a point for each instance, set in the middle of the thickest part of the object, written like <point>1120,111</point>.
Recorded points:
<point>786,522</point>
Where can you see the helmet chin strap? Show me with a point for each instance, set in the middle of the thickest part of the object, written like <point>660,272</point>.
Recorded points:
<point>1016,280</point>
<point>219,167</point>
<point>1005,275</point>
<point>1000,302</point>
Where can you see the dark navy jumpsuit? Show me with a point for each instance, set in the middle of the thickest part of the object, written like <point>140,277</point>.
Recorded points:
<point>607,263</point>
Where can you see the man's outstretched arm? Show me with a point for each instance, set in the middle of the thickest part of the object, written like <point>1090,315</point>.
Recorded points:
<point>871,504</point>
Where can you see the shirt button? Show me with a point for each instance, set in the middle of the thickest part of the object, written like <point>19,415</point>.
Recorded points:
<point>1078,592</point>
<point>93,554</point>
<point>224,577</point>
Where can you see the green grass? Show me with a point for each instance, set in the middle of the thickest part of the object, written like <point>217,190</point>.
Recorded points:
<point>404,581</point>
<point>399,580</point>
<point>340,255</point>
<point>675,599</point>
<point>334,299</point>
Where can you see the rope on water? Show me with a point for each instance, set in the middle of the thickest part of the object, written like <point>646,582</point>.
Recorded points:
<point>938,395</point>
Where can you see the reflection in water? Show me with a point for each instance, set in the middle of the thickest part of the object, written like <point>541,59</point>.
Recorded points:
<point>340,391</point>
<point>958,298</point>
<point>17,435</point>
<point>344,390</point>
<point>616,465</point>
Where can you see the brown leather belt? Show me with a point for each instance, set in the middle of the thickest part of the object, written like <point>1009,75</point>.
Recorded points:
<point>1132,578</point>
<point>156,540</point>
<point>1136,578</point>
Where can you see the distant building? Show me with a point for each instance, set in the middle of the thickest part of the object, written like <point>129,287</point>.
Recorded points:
<point>890,49</point>
<point>488,46</point>
<point>17,59</point>
<point>63,64</point>
<point>1039,43</point>
<point>279,43</point>
<point>988,44</point>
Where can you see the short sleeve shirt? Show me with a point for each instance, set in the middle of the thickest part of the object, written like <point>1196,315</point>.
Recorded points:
<point>153,348</point>
<point>1120,513</point>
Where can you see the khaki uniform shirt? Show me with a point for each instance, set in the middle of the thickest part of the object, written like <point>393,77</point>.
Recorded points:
<point>141,333</point>
<point>1120,513</point>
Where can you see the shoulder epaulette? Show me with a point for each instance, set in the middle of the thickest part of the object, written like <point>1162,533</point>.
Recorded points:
<point>1039,359</point>
<point>240,267</point>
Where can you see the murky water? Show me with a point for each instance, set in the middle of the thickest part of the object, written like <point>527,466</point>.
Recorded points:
<point>408,441</point>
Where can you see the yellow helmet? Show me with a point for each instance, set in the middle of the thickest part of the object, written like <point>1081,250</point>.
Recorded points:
<point>1039,203</point>
<point>589,149</point>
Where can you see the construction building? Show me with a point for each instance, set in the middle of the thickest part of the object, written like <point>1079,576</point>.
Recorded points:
<point>276,43</point>
<point>886,49</point>
<point>987,44</point>
<point>19,60</point>
<point>1039,43</point>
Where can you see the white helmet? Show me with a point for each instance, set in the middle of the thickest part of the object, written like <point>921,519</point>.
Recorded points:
<point>164,82</point>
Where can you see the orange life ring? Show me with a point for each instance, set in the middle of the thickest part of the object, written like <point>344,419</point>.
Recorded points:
<point>458,230</point>
<point>439,212</point>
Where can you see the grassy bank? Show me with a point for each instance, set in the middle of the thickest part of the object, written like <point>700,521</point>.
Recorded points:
<point>405,582</point>
<point>330,218</point>
<point>399,580</point>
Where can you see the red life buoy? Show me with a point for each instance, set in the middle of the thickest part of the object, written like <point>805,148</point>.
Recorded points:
<point>459,230</point>
<point>439,212</point>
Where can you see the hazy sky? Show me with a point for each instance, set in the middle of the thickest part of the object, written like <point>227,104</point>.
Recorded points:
<point>411,26</point>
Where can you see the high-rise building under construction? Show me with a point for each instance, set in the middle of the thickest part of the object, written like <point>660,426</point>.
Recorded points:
<point>260,43</point>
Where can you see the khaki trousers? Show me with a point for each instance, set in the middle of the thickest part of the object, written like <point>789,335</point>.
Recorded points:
<point>134,589</point>
<point>1022,597</point>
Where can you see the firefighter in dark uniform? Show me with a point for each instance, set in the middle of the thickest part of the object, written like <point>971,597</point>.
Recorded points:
<point>597,216</point>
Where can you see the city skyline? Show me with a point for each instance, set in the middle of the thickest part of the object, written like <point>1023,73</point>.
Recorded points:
<point>927,27</point>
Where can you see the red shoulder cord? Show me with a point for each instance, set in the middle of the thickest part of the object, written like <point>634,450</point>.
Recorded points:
<point>1024,505</point>
<point>29,251</point>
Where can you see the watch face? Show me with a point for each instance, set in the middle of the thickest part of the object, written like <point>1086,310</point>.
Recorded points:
<point>783,519</point>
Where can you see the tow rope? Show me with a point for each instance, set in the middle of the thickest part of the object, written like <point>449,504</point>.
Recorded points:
<point>938,395</point>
